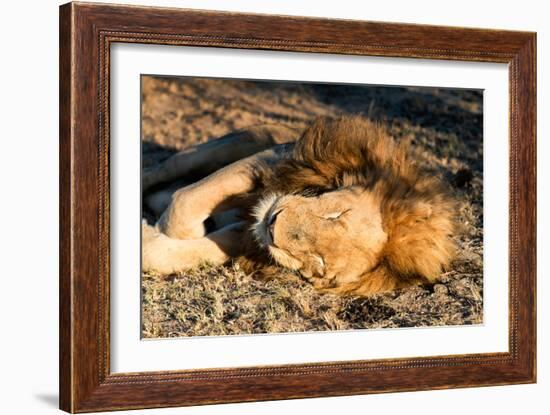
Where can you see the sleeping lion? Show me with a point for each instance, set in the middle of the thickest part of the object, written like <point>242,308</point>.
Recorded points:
<point>340,203</point>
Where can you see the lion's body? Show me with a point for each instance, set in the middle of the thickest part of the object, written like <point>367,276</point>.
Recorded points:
<point>345,206</point>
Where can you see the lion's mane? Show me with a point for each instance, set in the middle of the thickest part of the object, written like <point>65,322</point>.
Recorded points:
<point>418,213</point>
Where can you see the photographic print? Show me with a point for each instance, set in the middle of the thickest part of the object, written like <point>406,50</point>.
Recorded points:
<point>277,207</point>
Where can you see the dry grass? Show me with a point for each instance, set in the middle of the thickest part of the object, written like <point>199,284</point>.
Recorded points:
<point>445,128</point>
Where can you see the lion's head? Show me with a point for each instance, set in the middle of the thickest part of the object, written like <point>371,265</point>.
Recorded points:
<point>331,239</point>
<point>351,212</point>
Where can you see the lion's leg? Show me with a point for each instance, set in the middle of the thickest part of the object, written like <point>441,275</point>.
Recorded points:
<point>165,255</point>
<point>193,204</point>
<point>157,202</point>
<point>203,159</point>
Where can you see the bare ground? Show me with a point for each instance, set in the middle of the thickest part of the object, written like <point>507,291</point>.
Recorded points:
<point>443,125</point>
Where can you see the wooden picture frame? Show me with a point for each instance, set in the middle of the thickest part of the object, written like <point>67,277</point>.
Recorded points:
<point>86,33</point>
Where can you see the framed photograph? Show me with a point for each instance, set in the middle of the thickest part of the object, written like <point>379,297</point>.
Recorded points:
<point>258,207</point>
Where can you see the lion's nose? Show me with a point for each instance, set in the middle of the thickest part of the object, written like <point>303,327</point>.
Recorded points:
<point>271,225</point>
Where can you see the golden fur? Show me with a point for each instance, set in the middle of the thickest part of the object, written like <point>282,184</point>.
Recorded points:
<point>351,212</point>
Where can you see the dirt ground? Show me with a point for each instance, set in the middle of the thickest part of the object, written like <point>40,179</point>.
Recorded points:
<point>444,126</point>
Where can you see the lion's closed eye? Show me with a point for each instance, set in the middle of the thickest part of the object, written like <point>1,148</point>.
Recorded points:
<point>334,215</point>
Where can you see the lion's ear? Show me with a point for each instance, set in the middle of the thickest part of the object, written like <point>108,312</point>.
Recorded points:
<point>319,265</point>
<point>315,267</point>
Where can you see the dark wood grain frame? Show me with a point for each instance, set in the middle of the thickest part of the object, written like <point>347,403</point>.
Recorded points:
<point>86,33</point>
